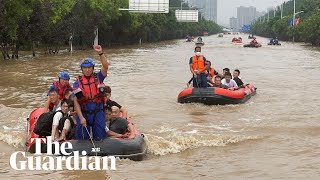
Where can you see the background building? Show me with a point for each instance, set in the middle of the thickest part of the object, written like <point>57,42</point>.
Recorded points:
<point>246,15</point>
<point>208,8</point>
<point>234,24</point>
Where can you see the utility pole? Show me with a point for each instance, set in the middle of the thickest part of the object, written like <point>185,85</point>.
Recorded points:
<point>282,10</point>
<point>294,16</point>
<point>294,12</point>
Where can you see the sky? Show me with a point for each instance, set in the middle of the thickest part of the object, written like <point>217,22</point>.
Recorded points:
<point>228,8</point>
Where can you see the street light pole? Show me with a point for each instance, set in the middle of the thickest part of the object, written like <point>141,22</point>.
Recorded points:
<point>281,10</point>
<point>294,12</point>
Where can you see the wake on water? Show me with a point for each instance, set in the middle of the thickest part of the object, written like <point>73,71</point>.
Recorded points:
<point>161,141</point>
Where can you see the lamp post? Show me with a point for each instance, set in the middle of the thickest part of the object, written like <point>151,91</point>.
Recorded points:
<point>294,12</point>
<point>294,15</point>
<point>281,10</point>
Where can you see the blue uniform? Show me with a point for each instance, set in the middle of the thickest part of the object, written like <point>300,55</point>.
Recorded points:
<point>94,114</point>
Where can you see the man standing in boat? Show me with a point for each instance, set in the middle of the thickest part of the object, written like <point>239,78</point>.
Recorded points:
<point>198,67</point>
<point>89,98</point>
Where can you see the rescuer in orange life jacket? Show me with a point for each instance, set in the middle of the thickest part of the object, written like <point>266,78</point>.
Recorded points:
<point>198,67</point>
<point>89,98</point>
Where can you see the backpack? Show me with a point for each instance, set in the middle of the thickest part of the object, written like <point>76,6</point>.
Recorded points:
<point>43,126</point>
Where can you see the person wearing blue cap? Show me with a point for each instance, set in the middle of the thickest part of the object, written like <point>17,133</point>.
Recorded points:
<point>88,90</point>
<point>60,86</point>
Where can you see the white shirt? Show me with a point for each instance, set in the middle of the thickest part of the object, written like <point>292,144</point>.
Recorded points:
<point>107,129</point>
<point>232,83</point>
<point>56,118</point>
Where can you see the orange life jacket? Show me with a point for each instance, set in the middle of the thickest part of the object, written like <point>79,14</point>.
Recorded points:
<point>197,63</point>
<point>211,72</point>
<point>90,90</point>
<point>61,90</point>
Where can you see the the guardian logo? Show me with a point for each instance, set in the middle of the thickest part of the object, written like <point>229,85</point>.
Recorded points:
<point>61,161</point>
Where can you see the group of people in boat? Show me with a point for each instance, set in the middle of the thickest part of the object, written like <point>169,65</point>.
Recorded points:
<point>85,110</point>
<point>274,41</point>
<point>204,75</point>
<point>189,38</point>
<point>254,41</point>
<point>236,39</point>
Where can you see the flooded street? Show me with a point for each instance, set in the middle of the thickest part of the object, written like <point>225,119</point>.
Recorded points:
<point>274,135</point>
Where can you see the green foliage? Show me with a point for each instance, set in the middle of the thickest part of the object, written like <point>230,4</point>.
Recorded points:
<point>307,30</point>
<point>51,22</point>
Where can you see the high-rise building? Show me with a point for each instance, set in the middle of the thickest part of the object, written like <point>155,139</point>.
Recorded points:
<point>208,8</point>
<point>211,10</point>
<point>234,24</point>
<point>246,15</point>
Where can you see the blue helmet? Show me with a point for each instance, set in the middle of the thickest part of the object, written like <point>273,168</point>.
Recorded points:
<point>87,62</point>
<point>64,75</point>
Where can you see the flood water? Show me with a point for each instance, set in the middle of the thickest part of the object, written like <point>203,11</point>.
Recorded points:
<point>274,135</point>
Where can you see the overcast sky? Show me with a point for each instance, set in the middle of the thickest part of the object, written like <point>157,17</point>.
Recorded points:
<point>228,8</point>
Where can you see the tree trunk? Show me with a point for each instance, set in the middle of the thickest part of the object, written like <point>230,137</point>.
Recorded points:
<point>15,52</point>
<point>46,50</point>
<point>5,51</point>
<point>2,51</point>
<point>33,52</point>
<point>56,50</point>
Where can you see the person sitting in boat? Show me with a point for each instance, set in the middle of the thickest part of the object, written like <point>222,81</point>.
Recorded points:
<point>61,85</point>
<point>68,94</point>
<point>224,72</point>
<point>254,41</point>
<point>118,127</point>
<point>240,38</point>
<point>62,123</point>
<point>271,41</point>
<point>237,79</point>
<point>54,99</point>
<point>89,98</point>
<point>276,41</point>
<point>188,38</point>
<point>109,103</point>
<point>211,74</point>
<point>108,119</point>
<point>230,83</point>
<point>198,68</point>
<point>217,83</point>
<point>199,39</point>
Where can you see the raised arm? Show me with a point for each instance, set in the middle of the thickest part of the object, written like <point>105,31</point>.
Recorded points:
<point>103,59</point>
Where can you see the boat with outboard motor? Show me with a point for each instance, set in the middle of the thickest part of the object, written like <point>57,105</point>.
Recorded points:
<point>134,149</point>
